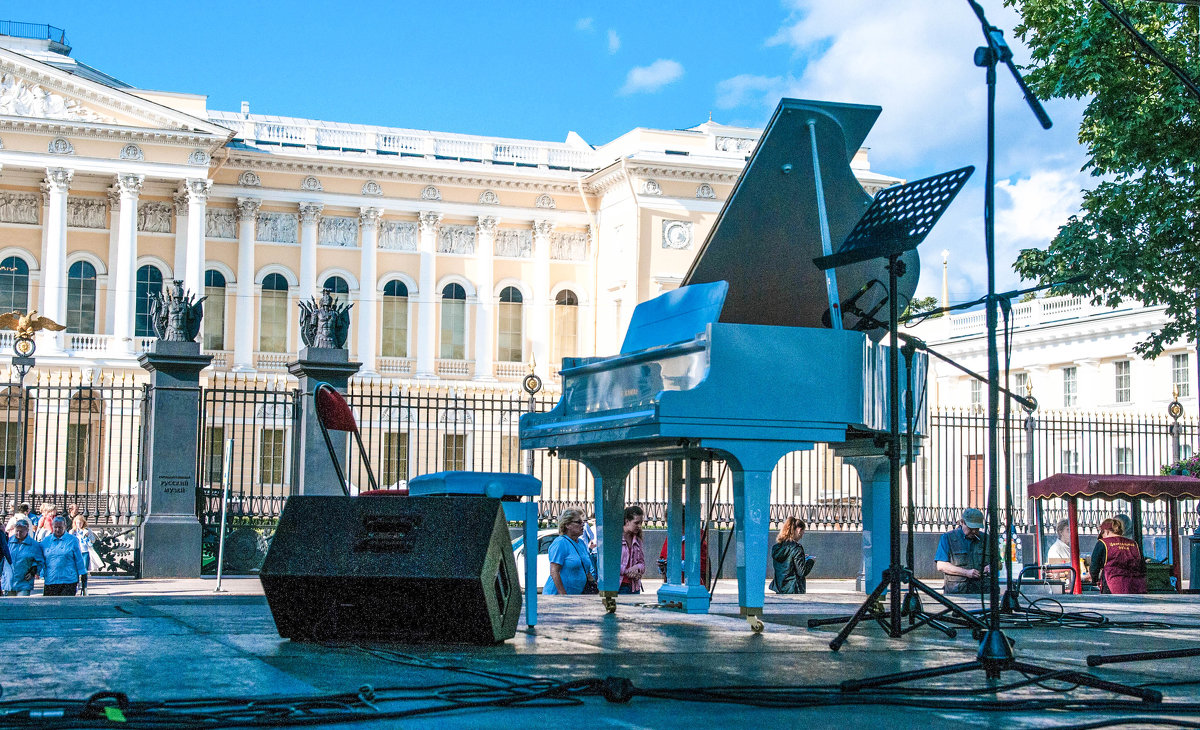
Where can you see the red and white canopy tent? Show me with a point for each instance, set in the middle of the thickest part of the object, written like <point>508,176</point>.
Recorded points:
<point>1132,487</point>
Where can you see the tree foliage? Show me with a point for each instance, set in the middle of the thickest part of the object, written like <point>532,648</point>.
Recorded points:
<point>1137,235</point>
<point>921,304</point>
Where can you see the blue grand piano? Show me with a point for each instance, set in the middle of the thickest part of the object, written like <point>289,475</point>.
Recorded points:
<point>755,356</point>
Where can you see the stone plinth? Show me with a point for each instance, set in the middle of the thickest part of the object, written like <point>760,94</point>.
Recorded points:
<point>169,536</point>
<point>315,472</point>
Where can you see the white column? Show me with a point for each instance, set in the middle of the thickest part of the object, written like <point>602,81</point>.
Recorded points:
<point>243,339</point>
<point>540,309</point>
<point>180,204</point>
<point>310,217</point>
<point>122,271</point>
<point>54,265</point>
<point>368,300</point>
<point>485,346</point>
<point>197,200</point>
<point>586,330</point>
<point>427,298</point>
<point>114,207</point>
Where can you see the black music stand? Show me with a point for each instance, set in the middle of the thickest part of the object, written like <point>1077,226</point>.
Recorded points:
<point>897,221</point>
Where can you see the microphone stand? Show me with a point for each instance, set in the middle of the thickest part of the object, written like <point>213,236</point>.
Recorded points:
<point>995,650</point>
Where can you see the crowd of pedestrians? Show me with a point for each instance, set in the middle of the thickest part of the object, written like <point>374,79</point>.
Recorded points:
<point>46,545</point>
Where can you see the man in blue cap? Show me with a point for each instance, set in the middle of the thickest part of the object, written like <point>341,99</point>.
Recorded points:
<point>960,554</point>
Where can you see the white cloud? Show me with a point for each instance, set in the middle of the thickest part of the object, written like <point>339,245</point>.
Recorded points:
<point>653,77</point>
<point>614,41</point>
<point>584,24</point>
<point>914,58</point>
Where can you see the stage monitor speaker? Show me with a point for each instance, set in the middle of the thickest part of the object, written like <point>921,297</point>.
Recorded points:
<point>393,568</point>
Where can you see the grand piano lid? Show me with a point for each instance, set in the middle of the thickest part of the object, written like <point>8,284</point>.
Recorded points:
<point>768,233</point>
<point>675,316</point>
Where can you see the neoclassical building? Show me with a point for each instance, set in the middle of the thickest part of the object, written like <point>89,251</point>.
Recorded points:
<point>466,258</point>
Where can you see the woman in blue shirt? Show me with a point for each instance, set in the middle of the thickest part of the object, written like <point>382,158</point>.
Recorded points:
<point>569,562</point>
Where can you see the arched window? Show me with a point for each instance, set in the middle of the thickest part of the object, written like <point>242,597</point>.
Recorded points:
<point>566,325</point>
<point>14,285</point>
<point>214,310</point>
<point>395,319</point>
<point>273,314</point>
<point>149,286</point>
<point>81,298</point>
<point>510,341</point>
<point>454,322</point>
<point>339,287</point>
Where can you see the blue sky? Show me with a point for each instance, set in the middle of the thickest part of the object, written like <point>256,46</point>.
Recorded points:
<point>538,70</point>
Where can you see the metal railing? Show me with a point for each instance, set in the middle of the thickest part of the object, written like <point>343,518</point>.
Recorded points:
<point>35,31</point>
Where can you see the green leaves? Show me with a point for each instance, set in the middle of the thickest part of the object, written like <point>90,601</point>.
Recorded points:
<point>1138,234</point>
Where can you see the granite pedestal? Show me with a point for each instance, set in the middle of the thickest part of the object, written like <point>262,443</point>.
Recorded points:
<point>169,536</point>
<point>315,474</point>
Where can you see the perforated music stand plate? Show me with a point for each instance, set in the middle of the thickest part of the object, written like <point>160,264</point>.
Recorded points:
<point>899,219</point>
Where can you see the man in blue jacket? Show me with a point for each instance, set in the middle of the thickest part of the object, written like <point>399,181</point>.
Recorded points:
<point>64,560</point>
<point>26,560</point>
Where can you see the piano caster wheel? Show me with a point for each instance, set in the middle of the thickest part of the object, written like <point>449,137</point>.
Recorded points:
<point>756,624</point>
<point>610,604</point>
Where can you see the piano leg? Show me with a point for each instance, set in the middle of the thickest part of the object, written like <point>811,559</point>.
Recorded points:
<point>691,595</point>
<point>752,511</point>
<point>609,475</point>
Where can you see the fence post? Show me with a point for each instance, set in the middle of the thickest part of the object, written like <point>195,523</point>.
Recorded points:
<point>169,537</point>
<point>314,469</point>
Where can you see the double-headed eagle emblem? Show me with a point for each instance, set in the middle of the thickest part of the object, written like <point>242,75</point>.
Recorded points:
<point>26,324</point>
<point>324,323</point>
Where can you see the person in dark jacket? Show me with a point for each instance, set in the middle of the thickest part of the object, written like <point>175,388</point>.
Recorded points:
<point>1117,565</point>
<point>791,565</point>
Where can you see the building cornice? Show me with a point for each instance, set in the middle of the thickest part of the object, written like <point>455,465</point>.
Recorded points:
<point>113,132</point>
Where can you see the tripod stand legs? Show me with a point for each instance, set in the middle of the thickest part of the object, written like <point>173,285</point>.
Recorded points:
<point>1095,660</point>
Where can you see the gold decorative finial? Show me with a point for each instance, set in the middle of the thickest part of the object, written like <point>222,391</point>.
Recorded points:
<point>1175,391</point>
<point>532,363</point>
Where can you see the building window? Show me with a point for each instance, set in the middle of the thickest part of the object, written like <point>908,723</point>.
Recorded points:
<point>14,285</point>
<point>214,310</point>
<point>338,287</point>
<point>1020,384</point>
<point>566,325</point>
<point>394,318</point>
<point>1179,375</point>
<point>273,314</point>
<point>81,298</point>
<point>1124,460</point>
<point>149,286</point>
<point>10,439</point>
<point>510,454</point>
<point>1070,461</point>
<point>454,323</point>
<point>454,452</point>
<point>82,450</point>
<point>976,395</point>
<point>270,456</point>
<point>395,458</point>
<point>1070,387</point>
<point>510,341</point>
<point>1122,381</point>
<point>214,454</point>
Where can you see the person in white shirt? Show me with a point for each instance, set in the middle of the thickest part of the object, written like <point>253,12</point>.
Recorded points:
<point>1060,551</point>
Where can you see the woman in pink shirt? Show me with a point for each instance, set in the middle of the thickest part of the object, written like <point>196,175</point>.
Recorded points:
<point>633,559</point>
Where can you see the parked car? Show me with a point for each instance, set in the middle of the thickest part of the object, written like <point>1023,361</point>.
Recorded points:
<point>544,538</point>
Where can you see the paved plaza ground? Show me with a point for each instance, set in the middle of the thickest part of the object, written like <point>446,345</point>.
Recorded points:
<point>176,639</point>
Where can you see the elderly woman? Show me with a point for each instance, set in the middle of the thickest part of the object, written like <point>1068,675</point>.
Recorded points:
<point>1117,565</point>
<point>26,560</point>
<point>64,560</point>
<point>570,567</point>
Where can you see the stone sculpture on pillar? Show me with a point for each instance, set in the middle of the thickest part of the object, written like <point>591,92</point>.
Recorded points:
<point>176,316</point>
<point>169,537</point>
<point>324,328</point>
<point>324,323</point>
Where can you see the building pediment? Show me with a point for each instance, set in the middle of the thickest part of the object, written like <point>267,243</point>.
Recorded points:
<point>33,93</point>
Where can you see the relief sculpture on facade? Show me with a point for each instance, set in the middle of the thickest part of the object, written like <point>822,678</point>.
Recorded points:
<point>220,223</point>
<point>86,212</point>
<point>278,227</point>
<point>23,99</point>
<point>516,243</point>
<point>568,246</point>
<point>398,235</point>
<point>19,208</point>
<point>154,217</point>
<point>338,231</point>
<point>456,239</point>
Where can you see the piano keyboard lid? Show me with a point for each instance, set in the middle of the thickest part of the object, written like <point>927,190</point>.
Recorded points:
<point>768,232</point>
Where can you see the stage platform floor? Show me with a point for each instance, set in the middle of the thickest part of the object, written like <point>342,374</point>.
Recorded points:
<point>167,640</point>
